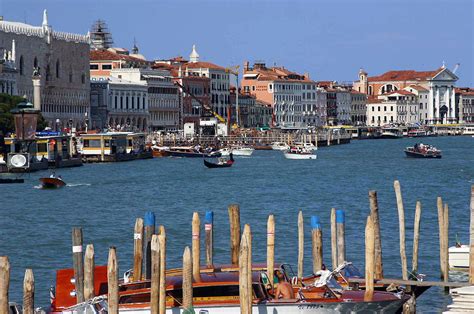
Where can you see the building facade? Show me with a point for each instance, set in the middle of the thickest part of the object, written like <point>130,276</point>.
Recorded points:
<point>118,104</point>
<point>440,84</point>
<point>397,107</point>
<point>60,61</point>
<point>8,71</point>
<point>295,99</point>
<point>465,101</point>
<point>358,108</point>
<point>422,95</point>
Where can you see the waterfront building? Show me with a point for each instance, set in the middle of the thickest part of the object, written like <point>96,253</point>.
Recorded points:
<point>343,106</point>
<point>8,71</point>
<point>118,104</point>
<point>440,84</point>
<point>465,101</point>
<point>422,95</point>
<point>296,102</point>
<point>338,102</point>
<point>396,107</point>
<point>260,115</point>
<point>103,61</point>
<point>358,108</point>
<point>162,99</point>
<point>59,62</point>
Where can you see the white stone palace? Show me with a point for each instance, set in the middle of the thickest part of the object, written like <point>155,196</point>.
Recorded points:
<point>62,63</point>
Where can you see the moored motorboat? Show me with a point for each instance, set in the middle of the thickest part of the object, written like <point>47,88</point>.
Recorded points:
<point>417,133</point>
<point>280,146</point>
<point>217,291</point>
<point>160,151</point>
<point>458,257</point>
<point>52,182</point>
<point>420,150</point>
<point>297,152</point>
<point>237,151</point>
<point>392,133</point>
<point>191,152</point>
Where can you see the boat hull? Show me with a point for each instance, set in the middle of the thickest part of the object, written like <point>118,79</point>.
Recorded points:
<point>192,155</point>
<point>459,257</point>
<point>238,152</point>
<point>412,154</point>
<point>52,183</point>
<point>213,165</point>
<point>299,156</point>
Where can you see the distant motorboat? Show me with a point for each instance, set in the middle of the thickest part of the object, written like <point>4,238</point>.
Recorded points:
<point>237,151</point>
<point>458,257</point>
<point>417,133</point>
<point>160,151</point>
<point>298,152</point>
<point>392,133</point>
<point>280,146</point>
<point>420,150</point>
<point>221,162</point>
<point>190,152</point>
<point>52,183</point>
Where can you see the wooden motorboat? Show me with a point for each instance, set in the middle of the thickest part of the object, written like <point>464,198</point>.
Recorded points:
<point>221,162</point>
<point>420,150</point>
<point>299,152</point>
<point>160,151</point>
<point>52,183</point>
<point>392,133</point>
<point>217,291</point>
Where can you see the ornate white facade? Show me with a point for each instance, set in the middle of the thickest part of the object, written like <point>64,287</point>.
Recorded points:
<point>8,71</point>
<point>63,62</point>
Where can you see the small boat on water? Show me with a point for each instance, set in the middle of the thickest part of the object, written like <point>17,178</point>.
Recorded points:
<point>420,150</point>
<point>191,152</point>
<point>237,151</point>
<point>52,182</point>
<point>392,133</point>
<point>280,146</point>
<point>417,133</point>
<point>217,291</point>
<point>458,257</point>
<point>298,152</point>
<point>221,162</point>
<point>160,151</point>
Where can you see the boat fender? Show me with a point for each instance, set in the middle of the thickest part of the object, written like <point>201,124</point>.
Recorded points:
<point>294,280</point>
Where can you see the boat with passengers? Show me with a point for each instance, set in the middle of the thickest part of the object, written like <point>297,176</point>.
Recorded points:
<point>420,150</point>
<point>217,291</point>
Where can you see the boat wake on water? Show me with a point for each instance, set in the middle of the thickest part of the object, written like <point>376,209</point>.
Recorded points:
<point>77,184</point>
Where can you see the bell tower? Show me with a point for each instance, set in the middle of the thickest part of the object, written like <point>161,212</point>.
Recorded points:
<point>364,83</point>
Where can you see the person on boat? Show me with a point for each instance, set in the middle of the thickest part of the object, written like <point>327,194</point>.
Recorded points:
<point>284,289</point>
<point>52,175</point>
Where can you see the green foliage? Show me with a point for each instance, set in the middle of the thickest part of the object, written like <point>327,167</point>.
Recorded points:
<point>7,103</point>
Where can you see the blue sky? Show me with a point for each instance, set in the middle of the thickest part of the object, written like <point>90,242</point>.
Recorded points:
<point>330,40</point>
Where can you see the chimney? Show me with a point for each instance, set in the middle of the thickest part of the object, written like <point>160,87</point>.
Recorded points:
<point>246,65</point>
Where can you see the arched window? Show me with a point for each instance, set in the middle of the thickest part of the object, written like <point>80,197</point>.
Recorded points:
<point>57,68</point>
<point>21,66</point>
<point>35,62</point>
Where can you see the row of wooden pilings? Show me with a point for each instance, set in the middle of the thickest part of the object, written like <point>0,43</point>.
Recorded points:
<point>150,251</point>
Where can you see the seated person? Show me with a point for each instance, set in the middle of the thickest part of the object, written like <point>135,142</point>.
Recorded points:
<point>284,289</point>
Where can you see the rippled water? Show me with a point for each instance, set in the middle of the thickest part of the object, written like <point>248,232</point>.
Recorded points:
<point>105,199</point>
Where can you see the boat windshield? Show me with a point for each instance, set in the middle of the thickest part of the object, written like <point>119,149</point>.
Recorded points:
<point>351,271</point>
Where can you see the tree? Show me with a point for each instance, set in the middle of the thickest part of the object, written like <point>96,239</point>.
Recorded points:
<point>7,103</point>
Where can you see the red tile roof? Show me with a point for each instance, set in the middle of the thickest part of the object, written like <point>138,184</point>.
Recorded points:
<point>418,88</point>
<point>203,64</point>
<point>405,75</point>
<point>279,74</point>
<point>105,55</point>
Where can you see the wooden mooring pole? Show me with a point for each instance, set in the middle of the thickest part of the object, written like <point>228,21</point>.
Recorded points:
<point>270,247</point>
<point>187,281</point>
<point>29,292</point>
<point>300,244</point>
<point>112,281</point>
<point>341,230</point>
<point>317,241</point>
<point>245,272</point>
<point>234,222</point>
<point>4,283</point>
<point>471,239</point>
<point>446,243</point>
<point>155,275</point>
<point>439,203</point>
<point>208,227</point>
<point>89,265</point>
<point>149,231</point>
<point>333,239</point>
<point>416,237</point>
<point>369,259</point>
<point>401,222</point>
<point>374,213</point>
<point>78,263</point>
<point>138,249</point>
<point>196,247</point>
<point>162,288</point>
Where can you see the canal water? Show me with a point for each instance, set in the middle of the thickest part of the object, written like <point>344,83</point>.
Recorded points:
<point>105,199</point>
